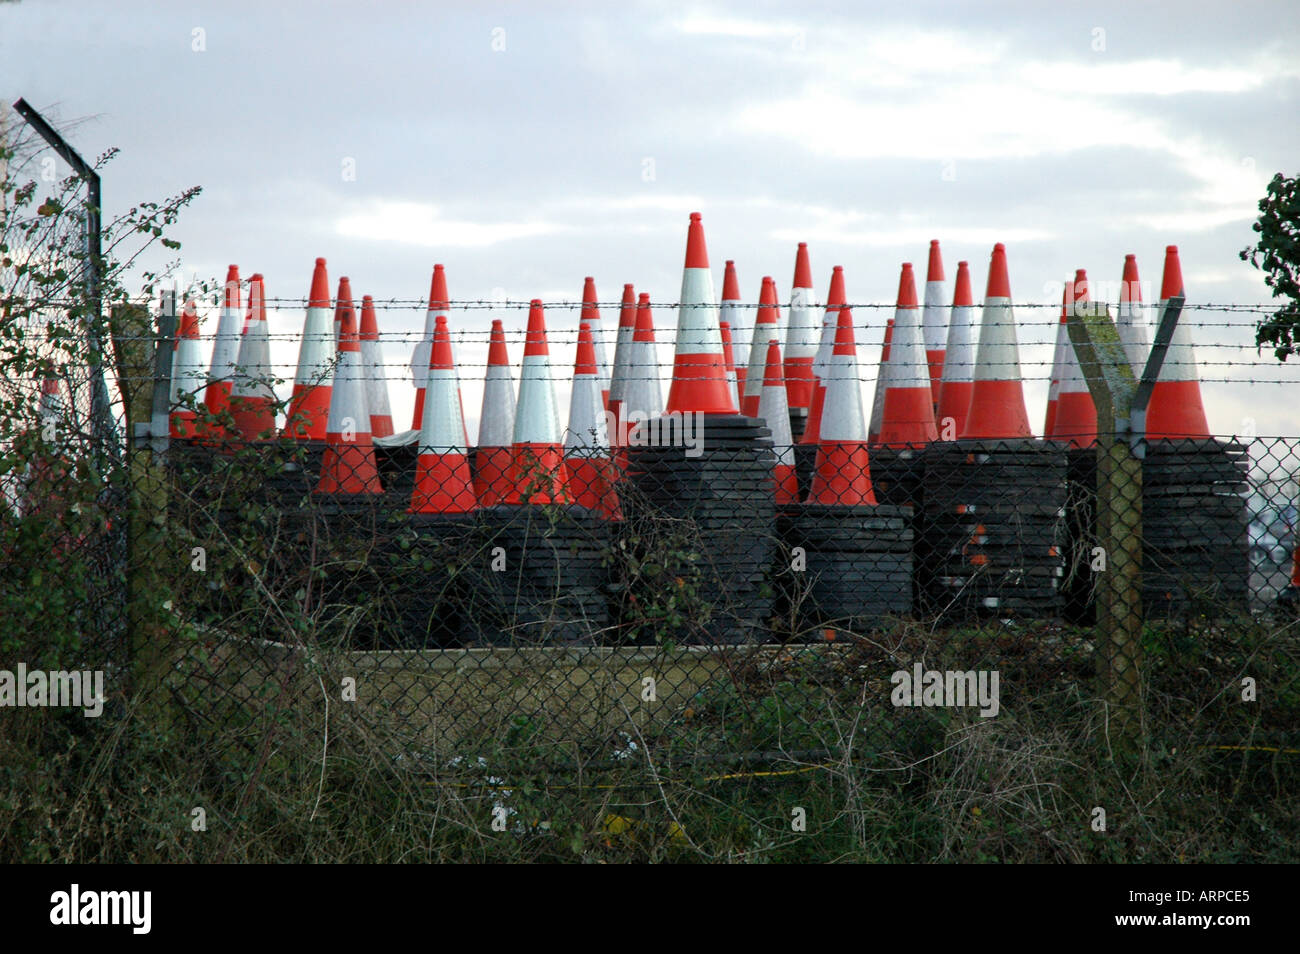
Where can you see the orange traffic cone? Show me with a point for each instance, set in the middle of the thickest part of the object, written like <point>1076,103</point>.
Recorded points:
<point>372,359</point>
<point>443,482</point>
<point>538,472</point>
<point>438,306</point>
<point>189,374</point>
<point>586,442</point>
<point>494,460</point>
<point>803,334</point>
<point>225,349</point>
<point>699,370</point>
<point>878,400</point>
<point>1058,356</point>
<point>959,360</point>
<point>312,386</point>
<point>729,355</point>
<point>349,465</point>
<point>1076,415</point>
<point>1130,319</point>
<point>843,471</point>
<point>732,311</point>
<point>643,397</point>
<point>775,412</point>
<point>835,300</point>
<point>907,415</point>
<point>591,315</point>
<point>997,406</point>
<point>934,321</point>
<point>767,324</point>
<point>252,401</point>
<point>1176,409</point>
<point>622,357</point>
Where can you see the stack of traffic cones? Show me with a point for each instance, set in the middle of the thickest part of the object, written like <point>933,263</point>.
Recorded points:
<point>586,443</point>
<point>189,374</point>
<point>805,452</point>
<point>1075,420</point>
<point>372,359</point>
<point>443,482</point>
<point>699,368</point>
<point>493,458</point>
<point>907,415</point>
<point>733,313</point>
<point>622,358</point>
<point>934,321</point>
<point>843,473</point>
<point>438,305</point>
<point>309,406</point>
<point>882,375</point>
<point>252,400</point>
<point>1130,320</point>
<point>729,354</point>
<point>835,300</point>
<point>775,412</point>
<point>767,325</point>
<point>997,408</point>
<point>591,315</point>
<point>1176,411</point>
<point>802,338</point>
<point>225,349</point>
<point>643,394</point>
<point>538,474</point>
<point>349,465</point>
<point>959,361</point>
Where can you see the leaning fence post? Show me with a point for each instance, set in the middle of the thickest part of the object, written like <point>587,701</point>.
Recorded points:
<point>1119,517</point>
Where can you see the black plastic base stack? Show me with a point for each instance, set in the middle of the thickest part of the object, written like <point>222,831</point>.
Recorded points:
<point>856,566</point>
<point>994,514</point>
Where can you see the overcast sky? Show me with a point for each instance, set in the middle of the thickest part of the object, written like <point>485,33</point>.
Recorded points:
<point>527,146</point>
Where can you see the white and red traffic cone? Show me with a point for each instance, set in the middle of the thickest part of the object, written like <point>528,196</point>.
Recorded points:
<point>1176,410</point>
<point>1058,357</point>
<point>835,300</point>
<point>774,409</point>
<point>1075,420</point>
<point>907,414</point>
<point>843,471</point>
<point>767,325</point>
<point>934,321</point>
<point>729,355</point>
<point>802,336</point>
<point>882,375</point>
<point>643,397</point>
<point>494,459</point>
<point>309,406</point>
<point>252,400</point>
<point>586,441</point>
<point>622,357</point>
<point>372,359</point>
<point>1130,318</point>
<point>997,407</point>
<point>733,312</point>
<point>225,347</point>
<point>189,374</point>
<point>443,481</point>
<point>591,315</point>
<point>349,465</point>
<point>538,472</point>
<point>438,306</point>
<point>959,360</point>
<point>699,370</point>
